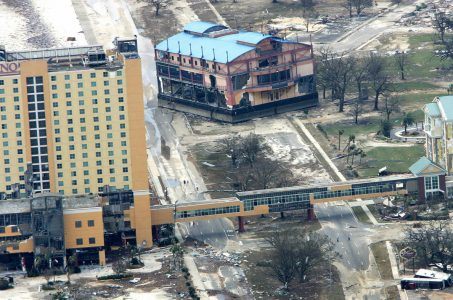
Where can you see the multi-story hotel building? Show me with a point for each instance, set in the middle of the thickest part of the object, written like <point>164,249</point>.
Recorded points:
<point>230,75</point>
<point>72,122</point>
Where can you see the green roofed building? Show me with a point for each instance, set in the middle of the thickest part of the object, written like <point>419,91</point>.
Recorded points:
<point>439,131</point>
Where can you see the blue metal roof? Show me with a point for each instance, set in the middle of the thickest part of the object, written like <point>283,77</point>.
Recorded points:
<point>433,109</point>
<point>202,27</point>
<point>245,37</point>
<point>447,107</point>
<point>202,47</point>
<point>191,41</point>
<point>422,164</point>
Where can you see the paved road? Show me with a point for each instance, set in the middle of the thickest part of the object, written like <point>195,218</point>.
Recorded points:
<point>341,226</point>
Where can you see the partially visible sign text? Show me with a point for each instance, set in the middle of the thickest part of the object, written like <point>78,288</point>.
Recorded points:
<point>9,68</point>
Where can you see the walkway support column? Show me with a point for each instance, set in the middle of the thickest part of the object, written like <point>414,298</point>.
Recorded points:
<point>311,213</point>
<point>241,224</point>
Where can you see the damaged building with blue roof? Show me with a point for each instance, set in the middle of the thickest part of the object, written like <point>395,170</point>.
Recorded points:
<point>230,75</point>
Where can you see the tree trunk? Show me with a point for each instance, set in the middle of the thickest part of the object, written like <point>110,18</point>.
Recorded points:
<point>339,141</point>
<point>356,118</point>
<point>324,93</point>
<point>341,105</point>
<point>402,75</point>
<point>376,100</point>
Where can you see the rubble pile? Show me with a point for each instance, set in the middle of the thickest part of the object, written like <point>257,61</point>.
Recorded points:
<point>223,257</point>
<point>424,13</point>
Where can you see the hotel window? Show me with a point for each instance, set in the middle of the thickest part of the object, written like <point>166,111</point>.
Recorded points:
<point>15,81</point>
<point>120,99</point>
<point>74,191</point>
<point>54,87</point>
<point>67,77</point>
<point>98,163</point>
<point>80,85</point>
<point>100,180</point>
<point>79,242</point>
<point>87,190</point>
<point>67,86</point>
<point>106,83</point>
<point>90,223</point>
<point>16,99</point>
<point>59,166</point>
<point>105,74</point>
<point>79,76</point>
<point>53,78</point>
<point>119,82</point>
<point>86,181</point>
<point>68,95</point>
<point>92,75</point>
<point>85,164</point>
<point>80,93</point>
<point>94,93</point>
<point>93,83</point>
<point>78,224</point>
<point>119,73</point>
<point>120,91</point>
<point>54,104</point>
<point>81,102</point>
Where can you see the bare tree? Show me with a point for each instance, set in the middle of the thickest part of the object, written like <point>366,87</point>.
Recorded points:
<point>309,16</point>
<point>378,77</point>
<point>342,73</point>
<point>158,5</point>
<point>361,5</point>
<point>441,23</point>
<point>232,146</point>
<point>269,173</point>
<point>433,243</point>
<point>323,77</point>
<point>391,105</point>
<point>349,6</point>
<point>251,147</point>
<point>401,60</point>
<point>360,77</point>
<point>297,253</point>
<point>356,110</point>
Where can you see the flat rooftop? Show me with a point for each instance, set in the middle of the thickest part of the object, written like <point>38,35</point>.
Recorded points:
<point>329,184</point>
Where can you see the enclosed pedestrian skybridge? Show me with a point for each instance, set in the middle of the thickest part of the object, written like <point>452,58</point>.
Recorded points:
<point>260,202</point>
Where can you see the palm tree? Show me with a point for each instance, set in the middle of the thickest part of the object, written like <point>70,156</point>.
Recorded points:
<point>340,133</point>
<point>408,120</point>
<point>351,149</point>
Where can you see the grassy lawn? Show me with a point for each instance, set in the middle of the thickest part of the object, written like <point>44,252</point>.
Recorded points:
<point>381,256</point>
<point>413,85</point>
<point>361,215</point>
<point>417,99</point>
<point>397,159</point>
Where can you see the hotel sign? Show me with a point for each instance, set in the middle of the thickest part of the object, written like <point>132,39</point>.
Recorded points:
<point>9,68</point>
